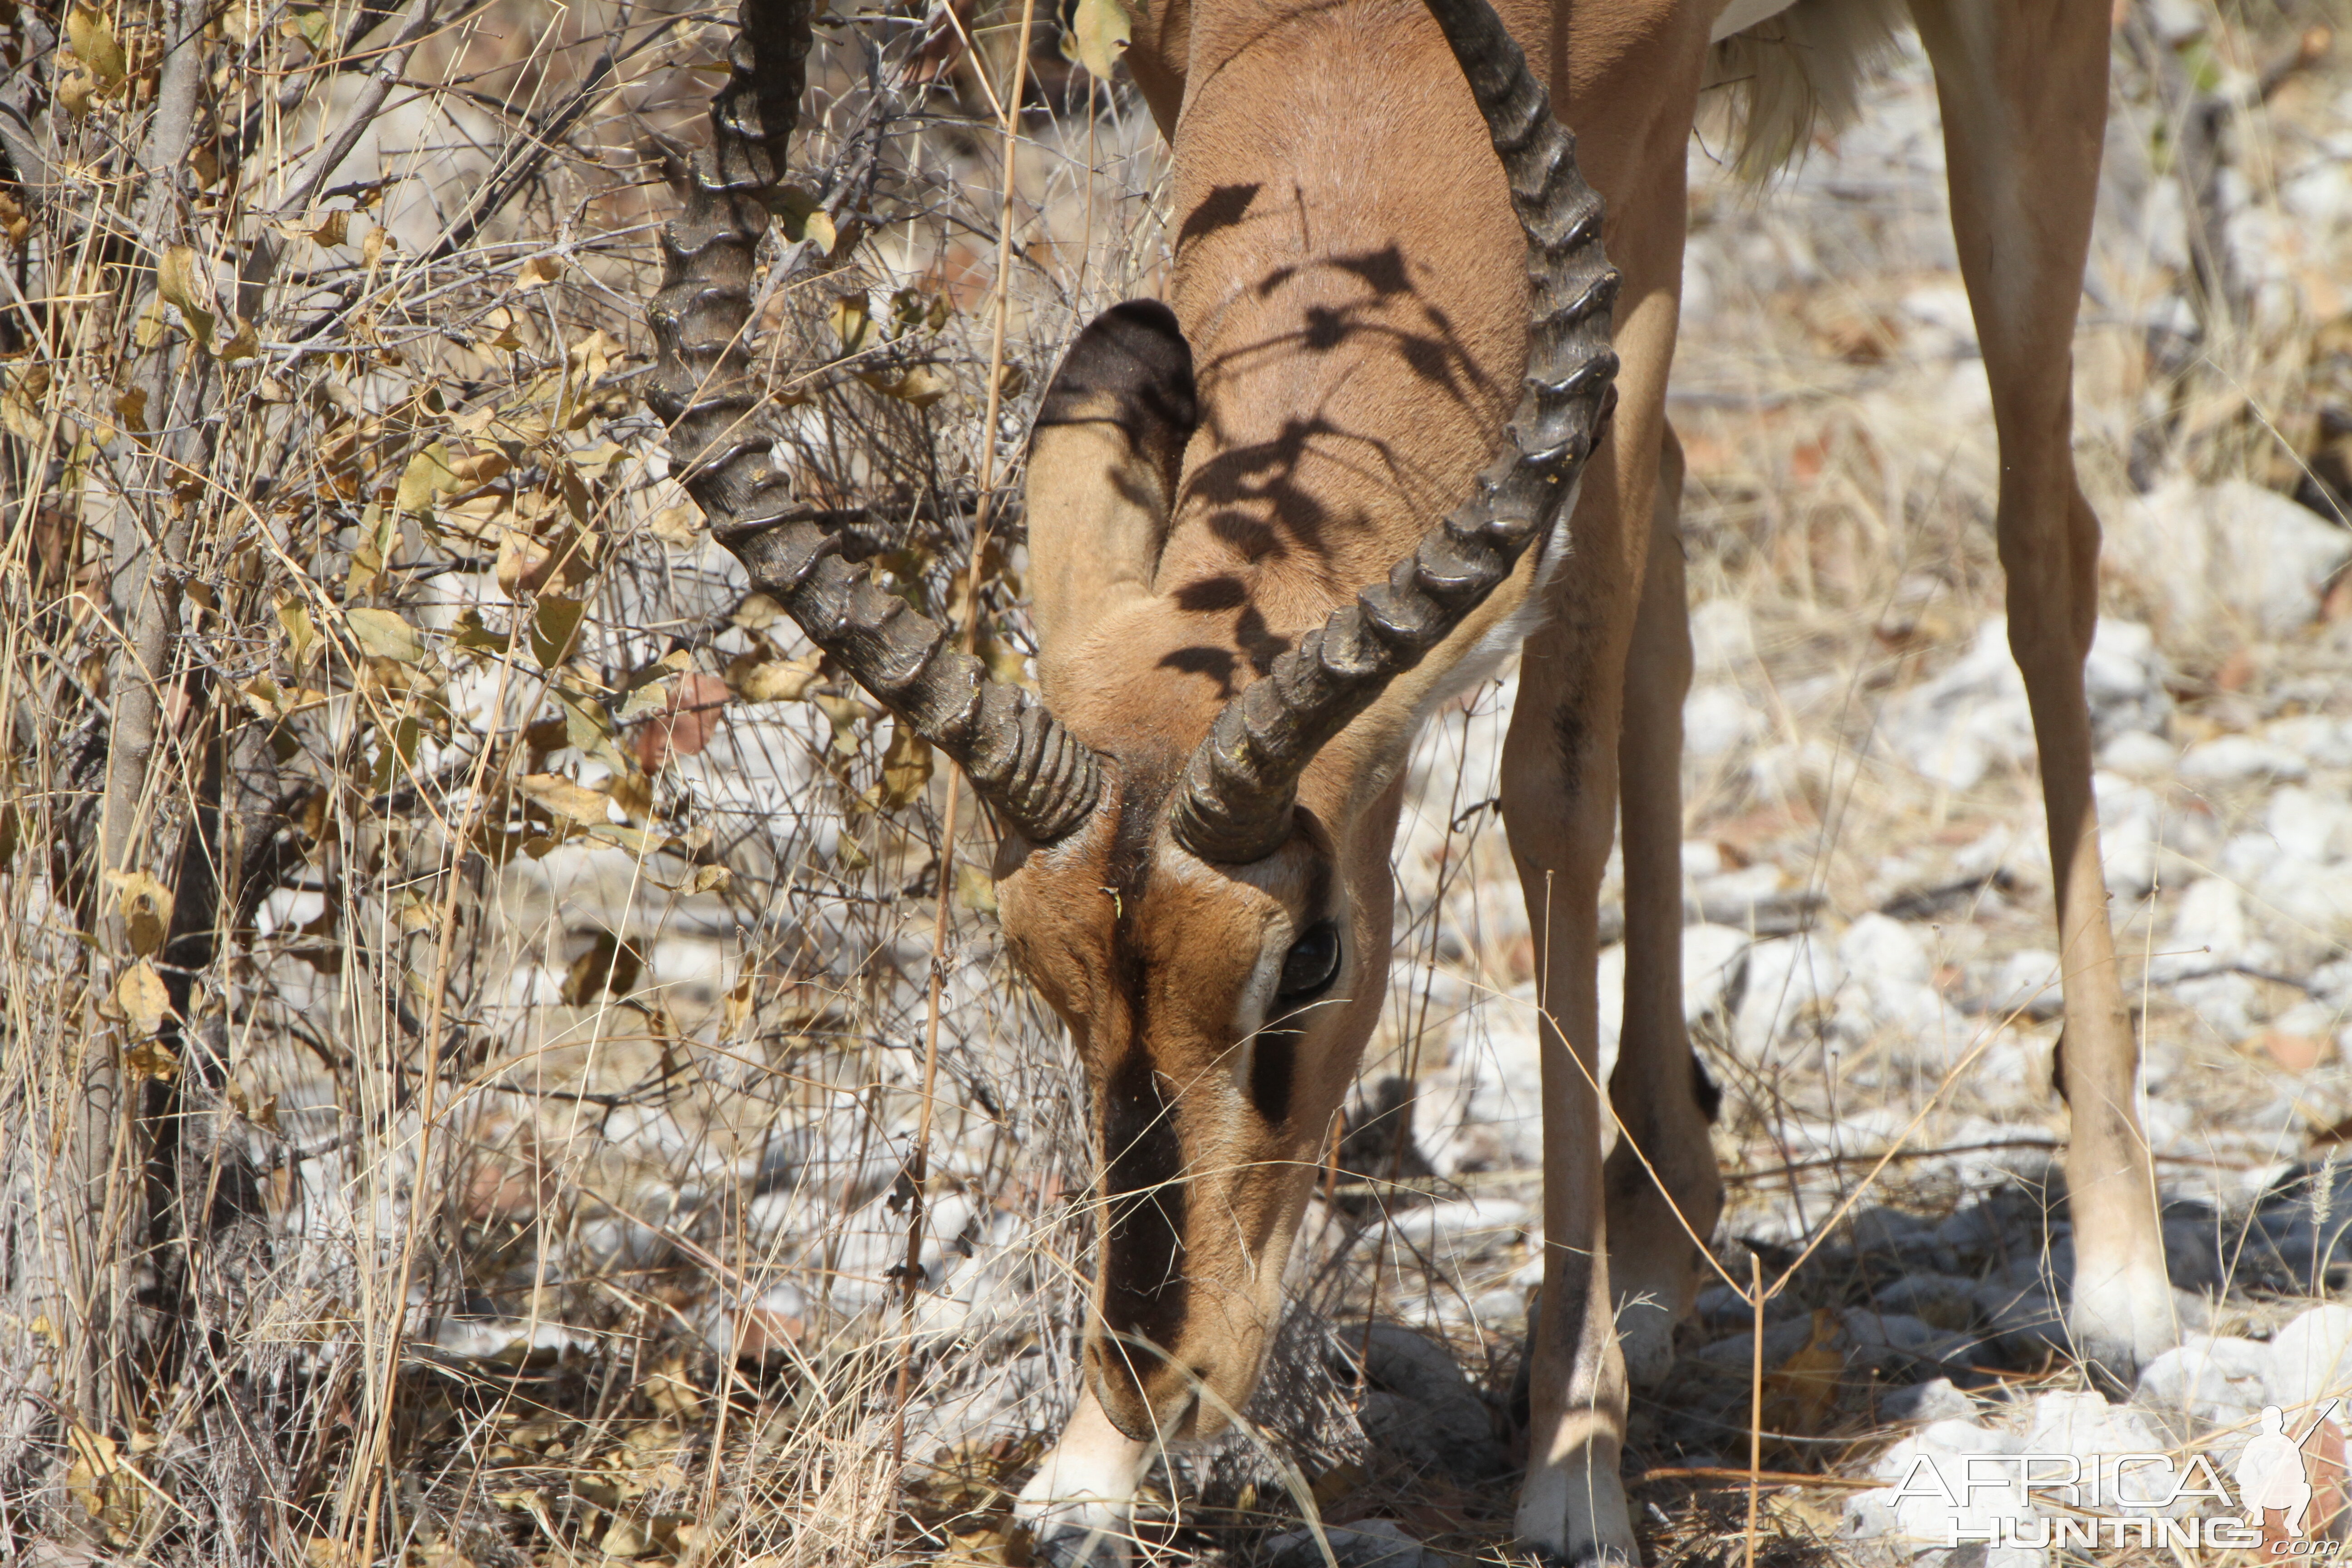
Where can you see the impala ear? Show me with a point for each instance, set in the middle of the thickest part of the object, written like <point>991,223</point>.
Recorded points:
<point>1103,463</point>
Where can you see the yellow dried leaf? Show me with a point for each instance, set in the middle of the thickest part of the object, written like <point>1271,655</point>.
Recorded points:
<point>140,998</point>
<point>757,613</point>
<point>74,91</point>
<point>758,680</point>
<point>334,229</point>
<point>427,474</point>
<point>710,879</point>
<point>609,965</point>
<point>680,527</point>
<point>94,43</point>
<point>554,629</point>
<point>538,272</point>
<point>568,799</point>
<point>301,636</point>
<point>151,1059</point>
<point>1099,33</point>
<point>145,905</point>
<point>384,634</point>
<point>311,27</point>
<point>176,285</point>
<point>906,769</point>
<point>922,385</point>
<point>975,890</point>
<point>1801,1394</point>
<point>853,322</point>
<point>242,343</point>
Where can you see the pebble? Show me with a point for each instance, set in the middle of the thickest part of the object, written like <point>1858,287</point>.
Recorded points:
<point>2240,759</point>
<point>1716,722</point>
<point>2226,558</point>
<point>1366,1544</point>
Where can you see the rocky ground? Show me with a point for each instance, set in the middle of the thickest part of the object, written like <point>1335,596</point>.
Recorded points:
<point>703,1101</point>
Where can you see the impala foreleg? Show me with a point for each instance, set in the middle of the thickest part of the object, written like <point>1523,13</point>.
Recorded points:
<point>1077,1504</point>
<point>1663,1186</point>
<point>1560,806</point>
<point>2023,89</point>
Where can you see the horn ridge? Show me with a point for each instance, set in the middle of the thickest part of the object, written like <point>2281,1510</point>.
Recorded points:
<point>1020,759</point>
<point>1234,802</point>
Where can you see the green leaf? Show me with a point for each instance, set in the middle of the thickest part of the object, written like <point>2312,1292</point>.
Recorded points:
<point>384,634</point>
<point>554,628</point>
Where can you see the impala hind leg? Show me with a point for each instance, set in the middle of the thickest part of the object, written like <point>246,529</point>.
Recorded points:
<point>1664,1190</point>
<point>2023,89</point>
<point>1077,1504</point>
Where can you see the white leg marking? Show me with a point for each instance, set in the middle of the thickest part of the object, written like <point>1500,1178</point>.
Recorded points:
<point>1076,1505</point>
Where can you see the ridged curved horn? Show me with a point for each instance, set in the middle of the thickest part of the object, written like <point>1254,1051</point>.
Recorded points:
<point>1020,760</point>
<point>1234,802</point>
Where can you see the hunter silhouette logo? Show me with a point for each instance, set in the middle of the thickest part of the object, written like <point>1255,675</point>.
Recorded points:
<point>2271,1473</point>
<point>2275,1473</point>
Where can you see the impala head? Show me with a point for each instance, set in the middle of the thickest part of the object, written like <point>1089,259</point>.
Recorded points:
<point>1197,882</point>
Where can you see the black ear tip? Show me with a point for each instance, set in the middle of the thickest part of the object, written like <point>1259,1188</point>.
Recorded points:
<point>1148,315</point>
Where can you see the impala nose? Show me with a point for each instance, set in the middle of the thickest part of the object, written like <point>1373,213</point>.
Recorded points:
<point>1151,1396</point>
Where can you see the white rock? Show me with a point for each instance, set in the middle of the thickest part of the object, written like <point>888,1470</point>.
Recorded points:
<point>2311,1359</point>
<point>1723,637</point>
<point>1785,977</point>
<point>2208,931</point>
<point>2083,1423</point>
<point>2206,1382</point>
<point>1465,1225</point>
<point>2128,818</point>
<point>2228,558</point>
<point>2125,679</point>
<point>2226,1004</point>
<point>1702,858</point>
<point>2308,826</point>
<point>2137,754</point>
<point>1879,947</point>
<point>2324,743</point>
<point>1499,1307</point>
<point>2312,893</point>
<point>1717,721</point>
<point>2239,759</point>
<point>1712,956</point>
<point>2248,858</point>
<point>1787,772</point>
<point>2026,983</point>
<point>1952,728</point>
<point>1922,1520</point>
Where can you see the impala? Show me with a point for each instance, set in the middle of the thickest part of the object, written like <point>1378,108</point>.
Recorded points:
<point>1397,419</point>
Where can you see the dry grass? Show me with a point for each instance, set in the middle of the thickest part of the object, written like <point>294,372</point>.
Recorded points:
<point>466,962</point>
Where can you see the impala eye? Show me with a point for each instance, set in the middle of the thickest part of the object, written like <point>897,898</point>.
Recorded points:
<point>1309,967</point>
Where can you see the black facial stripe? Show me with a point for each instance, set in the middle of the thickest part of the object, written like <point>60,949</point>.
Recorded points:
<point>1144,1288</point>
<point>1274,1064</point>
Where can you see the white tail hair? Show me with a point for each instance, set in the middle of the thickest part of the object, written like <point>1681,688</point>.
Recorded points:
<point>1770,86</point>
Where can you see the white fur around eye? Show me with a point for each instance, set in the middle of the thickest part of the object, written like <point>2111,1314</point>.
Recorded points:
<point>1249,1014</point>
